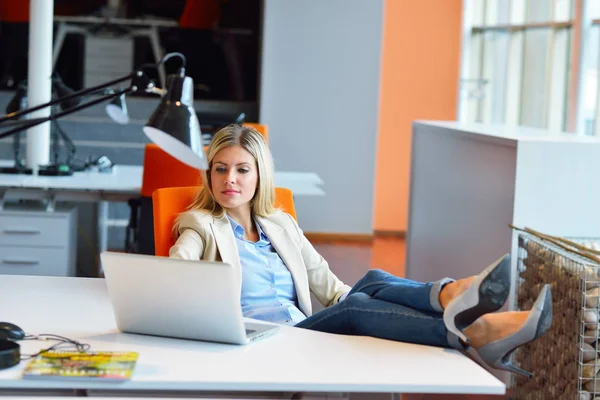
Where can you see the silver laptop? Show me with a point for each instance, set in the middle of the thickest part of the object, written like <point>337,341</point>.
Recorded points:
<point>161,296</point>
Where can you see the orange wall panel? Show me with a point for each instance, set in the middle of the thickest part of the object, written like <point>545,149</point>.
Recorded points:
<point>419,80</point>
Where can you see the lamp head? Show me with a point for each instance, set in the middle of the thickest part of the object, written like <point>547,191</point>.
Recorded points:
<point>117,110</point>
<point>174,126</point>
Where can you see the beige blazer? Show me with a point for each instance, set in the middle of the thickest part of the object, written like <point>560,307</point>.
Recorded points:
<point>205,237</point>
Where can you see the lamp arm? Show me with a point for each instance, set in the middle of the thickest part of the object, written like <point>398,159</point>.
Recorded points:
<point>83,92</point>
<point>67,140</point>
<point>170,55</point>
<point>61,114</point>
<point>21,122</point>
<point>165,59</point>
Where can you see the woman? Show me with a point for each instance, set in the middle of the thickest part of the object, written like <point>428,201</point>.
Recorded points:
<point>233,220</point>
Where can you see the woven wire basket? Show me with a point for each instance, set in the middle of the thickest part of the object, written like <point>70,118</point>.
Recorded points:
<point>565,361</point>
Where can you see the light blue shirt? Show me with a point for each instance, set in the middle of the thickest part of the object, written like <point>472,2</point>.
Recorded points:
<point>268,291</point>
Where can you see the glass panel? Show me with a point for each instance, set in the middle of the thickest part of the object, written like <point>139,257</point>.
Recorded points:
<point>502,13</point>
<point>533,108</point>
<point>495,72</point>
<point>593,8</point>
<point>590,100</point>
<point>559,80</point>
<point>515,78</point>
<point>475,10</point>
<point>497,12</point>
<point>563,10</point>
<point>517,12</point>
<point>568,111</point>
<point>539,10</point>
<point>589,106</point>
<point>471,88</point>
<point>491,12</point>
<point>589,79</point>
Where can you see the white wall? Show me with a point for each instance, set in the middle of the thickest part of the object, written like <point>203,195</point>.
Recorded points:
<point>319,95</point>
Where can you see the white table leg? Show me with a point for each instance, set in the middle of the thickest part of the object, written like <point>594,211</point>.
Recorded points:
<point>102,209</point>
<point>61,32</point>
<point>158,53</point>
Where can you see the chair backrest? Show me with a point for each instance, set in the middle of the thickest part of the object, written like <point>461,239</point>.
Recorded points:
<point>163,170</point>
<point>260,128</point>
<point>170,202</point>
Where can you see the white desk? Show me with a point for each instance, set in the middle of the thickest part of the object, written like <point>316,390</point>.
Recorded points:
<point>293,360</point>
<point>124,183</point>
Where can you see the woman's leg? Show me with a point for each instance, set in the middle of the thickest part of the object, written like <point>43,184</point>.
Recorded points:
<point>363,315</point>
<point>384,286</point>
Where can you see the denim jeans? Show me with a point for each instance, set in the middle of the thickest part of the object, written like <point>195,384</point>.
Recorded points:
<point>388,307</point>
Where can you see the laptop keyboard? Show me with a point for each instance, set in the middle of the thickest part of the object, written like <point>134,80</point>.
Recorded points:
<point>250,331</point>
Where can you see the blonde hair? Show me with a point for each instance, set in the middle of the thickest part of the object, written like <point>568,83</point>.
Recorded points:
<point>262,204</point>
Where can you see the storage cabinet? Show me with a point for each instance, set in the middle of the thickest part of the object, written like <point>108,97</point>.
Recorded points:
<point>470,181</point>
<point>34,241</point>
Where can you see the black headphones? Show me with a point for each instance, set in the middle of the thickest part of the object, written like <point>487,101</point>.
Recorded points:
<point>10,350</point>
<point>10,353</point>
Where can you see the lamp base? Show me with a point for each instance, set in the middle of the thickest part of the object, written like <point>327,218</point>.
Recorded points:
<point>15,170</point>
<point>55,170</point>
<point>45,170</point>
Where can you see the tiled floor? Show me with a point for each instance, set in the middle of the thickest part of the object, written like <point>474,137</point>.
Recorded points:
<point>349,261</point>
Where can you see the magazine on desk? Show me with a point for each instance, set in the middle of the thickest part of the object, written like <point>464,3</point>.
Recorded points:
<point>94,365</point>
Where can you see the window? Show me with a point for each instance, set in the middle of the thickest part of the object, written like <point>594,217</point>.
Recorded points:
<point>517,63</point>
<point>588,112</point>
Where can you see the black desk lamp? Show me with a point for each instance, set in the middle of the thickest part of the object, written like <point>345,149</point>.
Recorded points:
<point>173,126</point>
<point>116,110</point>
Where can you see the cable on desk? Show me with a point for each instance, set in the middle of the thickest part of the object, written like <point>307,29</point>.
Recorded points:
<point>62,343</point>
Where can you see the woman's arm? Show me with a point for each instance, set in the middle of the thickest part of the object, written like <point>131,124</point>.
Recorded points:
<point>191,241</point>
<point>323,283</point>
<point>189,246</point>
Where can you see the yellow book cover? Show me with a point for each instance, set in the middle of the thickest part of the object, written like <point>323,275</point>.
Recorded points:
<point>100,365</point>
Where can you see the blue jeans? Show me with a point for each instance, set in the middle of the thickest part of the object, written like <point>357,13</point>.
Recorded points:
<point>388,307</point>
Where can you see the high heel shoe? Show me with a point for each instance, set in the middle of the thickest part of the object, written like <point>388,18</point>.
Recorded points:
<point>487,293</point>
<point>497,353</point>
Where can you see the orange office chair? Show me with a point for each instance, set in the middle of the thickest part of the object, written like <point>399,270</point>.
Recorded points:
<point>160,170</point>
<point>260,128</point>
<point>170,202</point>
<point>163,170</point>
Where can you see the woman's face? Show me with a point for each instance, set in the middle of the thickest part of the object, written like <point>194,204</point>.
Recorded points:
<point>234,177</point>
